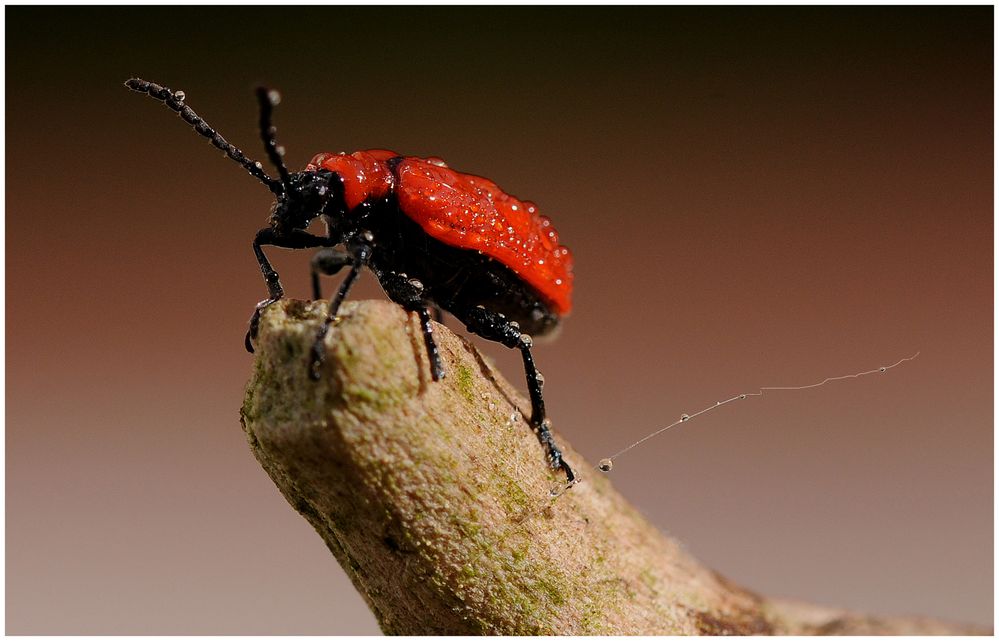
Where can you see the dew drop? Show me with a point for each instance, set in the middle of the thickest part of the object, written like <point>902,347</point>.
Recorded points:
<point>606,465</point>
<point>684,418</point>
<point>742,396</point>
<point>179,95</point>
<point>884,369</point>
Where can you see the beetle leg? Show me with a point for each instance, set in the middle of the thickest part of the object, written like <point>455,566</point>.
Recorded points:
<point>495,327</point>
<point>274,289</point>
<point>296,240</point>
<point>360,253</point>
<point>408,292</point>
<point>327,262</point>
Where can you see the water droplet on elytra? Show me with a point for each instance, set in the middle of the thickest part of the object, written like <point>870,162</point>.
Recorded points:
<point>605,465</point>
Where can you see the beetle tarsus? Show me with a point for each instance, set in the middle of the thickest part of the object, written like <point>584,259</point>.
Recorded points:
<point>318,358</point>
<point>570,476</point>
<point>251,333</point>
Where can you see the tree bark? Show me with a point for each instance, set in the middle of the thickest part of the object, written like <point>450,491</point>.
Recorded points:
<point>436,499</point>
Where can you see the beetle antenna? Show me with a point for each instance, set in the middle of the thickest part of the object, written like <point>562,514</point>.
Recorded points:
<point>175,100</point>
<point>268,98</point>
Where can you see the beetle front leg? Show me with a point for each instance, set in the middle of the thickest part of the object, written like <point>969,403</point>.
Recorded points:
<point>297,239</point>
<point>274,289</point>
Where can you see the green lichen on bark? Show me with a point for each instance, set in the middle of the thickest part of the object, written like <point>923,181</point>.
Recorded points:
<point>435,498</point>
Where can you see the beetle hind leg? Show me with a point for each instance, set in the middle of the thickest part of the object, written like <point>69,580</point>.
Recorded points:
<point>496,327</point>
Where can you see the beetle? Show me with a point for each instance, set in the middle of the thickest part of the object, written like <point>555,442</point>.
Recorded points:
<point>435,238</point>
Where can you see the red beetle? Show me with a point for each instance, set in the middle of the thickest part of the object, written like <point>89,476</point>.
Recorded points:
<point>434,238</point>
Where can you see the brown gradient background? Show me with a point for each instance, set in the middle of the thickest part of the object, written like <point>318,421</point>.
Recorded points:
<point>753,197</point>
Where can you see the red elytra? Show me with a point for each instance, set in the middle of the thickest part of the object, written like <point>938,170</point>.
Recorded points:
<point>464,211</point>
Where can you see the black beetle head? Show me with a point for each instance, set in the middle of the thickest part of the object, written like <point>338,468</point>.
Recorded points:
<point>307,194</point>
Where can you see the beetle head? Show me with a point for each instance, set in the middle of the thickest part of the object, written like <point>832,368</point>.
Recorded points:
<point>306,195</point>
